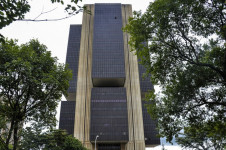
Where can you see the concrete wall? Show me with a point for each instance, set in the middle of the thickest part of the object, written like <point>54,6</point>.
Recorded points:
<point>84,82</point>
<point>132,84</point>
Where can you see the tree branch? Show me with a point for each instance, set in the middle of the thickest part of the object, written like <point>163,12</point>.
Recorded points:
<point>58,19</point>
<point>224,64</point>
<point>45,12</point>
<point>191,108</point>
<point>10,131</point>
<point>9,96</point>
<point>190,60</point>
<point>40,103</point>
<point>187,39</point>
<point>211,67</point>
<point>15,135</point>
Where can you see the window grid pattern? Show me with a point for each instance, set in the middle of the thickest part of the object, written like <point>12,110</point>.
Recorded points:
<point>67,116</point>
<point>109,147</point>
<point>73,54</point>
<point>109,117</point>
<point>150,132</point>
<point>145,83</point>
<point>108,47</point>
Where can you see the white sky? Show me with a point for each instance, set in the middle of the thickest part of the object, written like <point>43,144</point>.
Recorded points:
<point>55,34</point>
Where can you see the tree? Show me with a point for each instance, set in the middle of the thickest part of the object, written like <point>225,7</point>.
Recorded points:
<point>186,57</point>
<point>14,10</point>
<point>51,140</point>
<point>31,85</point>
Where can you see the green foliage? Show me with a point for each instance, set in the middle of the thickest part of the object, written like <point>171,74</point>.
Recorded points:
<point>197,135</point>
<point>12,10</point>
<point>72,144</point>
<point>31,85</point>
<point>33,139</point>
<point>186,56</point>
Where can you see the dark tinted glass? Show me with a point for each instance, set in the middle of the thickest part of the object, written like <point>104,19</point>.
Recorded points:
<point>108,47</point>
<point>145,83</point>
<point>109,147</point>
<point>109,117</point>
<point>73,54</point>
<point>150,132</point>
<point>67,116</point>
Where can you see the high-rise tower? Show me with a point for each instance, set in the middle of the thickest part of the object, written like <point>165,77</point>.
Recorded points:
<point>105,95</point>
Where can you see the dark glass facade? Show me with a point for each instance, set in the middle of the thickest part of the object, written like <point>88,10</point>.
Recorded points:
<point>109,118</point>
<point>150,132</point>
<point>108,48</point>
<point>109,147</point>
<point>67,116</point>
<point>73,54</point>
<point>145,83</point>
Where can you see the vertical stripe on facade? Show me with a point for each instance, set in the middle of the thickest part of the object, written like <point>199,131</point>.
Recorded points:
<point>72,58</point>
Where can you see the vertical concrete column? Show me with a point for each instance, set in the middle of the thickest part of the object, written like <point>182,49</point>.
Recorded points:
<point>84,84</point>
<point>87,143</point>
<point>135,117</point>
<point>130,144</point>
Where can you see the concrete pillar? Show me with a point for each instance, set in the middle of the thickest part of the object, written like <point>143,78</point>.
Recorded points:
<point>84,83</point>
<point>132,84</point>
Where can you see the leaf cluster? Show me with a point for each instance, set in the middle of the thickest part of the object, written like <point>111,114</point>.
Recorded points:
<point>12,10</point>
<point>31,85</point>
<point>34,139</point>
<point>186,57</point>
<point>72,8</point>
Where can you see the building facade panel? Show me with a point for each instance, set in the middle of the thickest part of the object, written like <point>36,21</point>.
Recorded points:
<point>72,57</point>
<point>109,147</point>
<point>145,83</point>
<point>67,116</point>
<point>109,115</point>
<point>108,54</point>
<point>150,131</point>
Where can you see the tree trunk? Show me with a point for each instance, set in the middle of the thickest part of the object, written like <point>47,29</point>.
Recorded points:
<point>10,132</point>
<point>15,135</point>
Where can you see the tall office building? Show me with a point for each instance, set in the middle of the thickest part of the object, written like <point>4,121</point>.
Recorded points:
<point>105,95</point>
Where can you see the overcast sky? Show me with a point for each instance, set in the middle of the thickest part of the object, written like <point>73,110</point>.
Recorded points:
<point>55,34</point>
